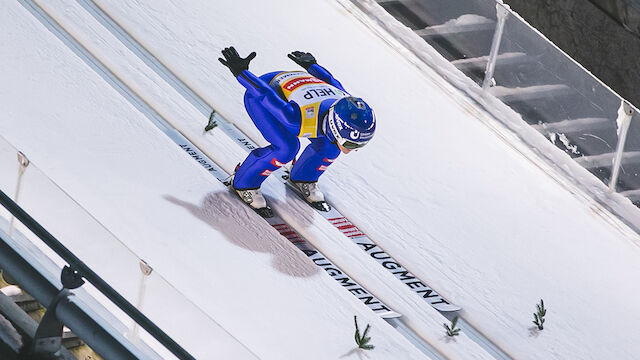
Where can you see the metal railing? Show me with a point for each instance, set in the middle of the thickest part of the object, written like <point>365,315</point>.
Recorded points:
<point>60,310</point>
<point>514,63</point>
<point>137,288</point>
<point>83,271</point>
<point>625,112</point>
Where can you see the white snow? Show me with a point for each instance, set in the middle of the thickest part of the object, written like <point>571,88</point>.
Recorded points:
<point>166,209</point>
<point>11,290</point>
<point>422,318</point>
<point>467,19</point>
<point>443,187</point>
<point>487,226</point>
<point>464,23</point>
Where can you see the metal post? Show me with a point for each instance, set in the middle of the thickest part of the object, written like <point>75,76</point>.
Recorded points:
<point>624,121</point>
<point>502,11</point>
<point>48,338</point>
<point>23,162</point>
<point>146,270</point>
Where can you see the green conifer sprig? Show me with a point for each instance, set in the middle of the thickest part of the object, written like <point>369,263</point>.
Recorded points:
<point>452,330</point>
<point>362,341</point>
<point>212,123</point>
<point>538,316</point>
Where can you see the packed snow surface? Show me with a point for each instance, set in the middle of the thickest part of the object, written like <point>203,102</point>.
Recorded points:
<point>168,210</point>
<point>437,188</point>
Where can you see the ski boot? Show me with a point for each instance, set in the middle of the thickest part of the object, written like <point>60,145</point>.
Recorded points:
<point>255,199</point>
<point>251,197</point>
<point>312,194</point>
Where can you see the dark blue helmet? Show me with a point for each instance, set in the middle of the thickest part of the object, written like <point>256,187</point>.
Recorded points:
<point>351,122</point>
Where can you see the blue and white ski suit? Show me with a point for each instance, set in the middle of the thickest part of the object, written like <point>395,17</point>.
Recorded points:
<point>285,105</point>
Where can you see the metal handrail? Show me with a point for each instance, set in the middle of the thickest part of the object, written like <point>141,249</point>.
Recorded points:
<point>83,270</point>
<point>514,14</point>
<point>44,291</point>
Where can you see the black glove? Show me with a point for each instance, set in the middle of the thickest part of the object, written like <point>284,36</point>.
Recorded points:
<point>303,59</point>
<point>234,62</point>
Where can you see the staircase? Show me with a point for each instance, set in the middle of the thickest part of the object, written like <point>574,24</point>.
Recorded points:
<point>551,93</point>
<point>24,313</point>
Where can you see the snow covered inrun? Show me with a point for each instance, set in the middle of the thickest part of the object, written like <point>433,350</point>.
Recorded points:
<point>488,228</point>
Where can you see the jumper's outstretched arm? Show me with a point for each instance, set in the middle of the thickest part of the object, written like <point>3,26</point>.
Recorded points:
<point>324,75</point>
<point>281,109</point>
<point>255,86</point>
<point>308,62</point>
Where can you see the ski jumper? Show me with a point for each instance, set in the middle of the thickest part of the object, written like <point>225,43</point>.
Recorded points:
<point>284,106</point>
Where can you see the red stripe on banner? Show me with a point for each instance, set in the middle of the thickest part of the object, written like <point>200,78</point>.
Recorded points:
<point>356,235</point>
<point>297,82</point>
<point>349,226</point>
<point>287,233</point>
<point>355,229</point>
<point>295,238</point>
<point>340,218</point>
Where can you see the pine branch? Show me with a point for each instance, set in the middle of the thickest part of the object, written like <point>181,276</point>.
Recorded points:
<point>212,123</point>
<point>362,341</point>
<point>538,316</point>
<point>452,330</point>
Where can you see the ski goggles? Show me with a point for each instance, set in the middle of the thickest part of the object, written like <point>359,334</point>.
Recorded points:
<point>347,144</point>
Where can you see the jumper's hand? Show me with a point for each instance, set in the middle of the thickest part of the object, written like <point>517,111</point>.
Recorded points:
<point>303,59</point>
<point>234,62</point>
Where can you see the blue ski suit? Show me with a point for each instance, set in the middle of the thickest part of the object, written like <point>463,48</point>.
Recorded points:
<point>277,112</point>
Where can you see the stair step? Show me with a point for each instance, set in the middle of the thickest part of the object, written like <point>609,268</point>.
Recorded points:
<point>10,339</point>
<point>505,59</point>
<point>464,24</point>
<point>12,307</point>
<point>606,160</point>
<point>29,304</point>
<point>633,195</point>
<point>71,340</point>
<point>575,125</point>
<point>26,302</point>
<point>530,93</point>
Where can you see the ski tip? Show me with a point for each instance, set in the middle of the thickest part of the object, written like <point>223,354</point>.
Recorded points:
<point>446,307</point>
<point>390,314</point>
<point>321,205</point>
<point>265,212</point>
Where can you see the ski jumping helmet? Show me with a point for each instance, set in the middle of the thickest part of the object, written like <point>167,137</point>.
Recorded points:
<point>351,122</point>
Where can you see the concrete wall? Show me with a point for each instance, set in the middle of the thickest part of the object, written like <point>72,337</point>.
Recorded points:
<point>591,37</point>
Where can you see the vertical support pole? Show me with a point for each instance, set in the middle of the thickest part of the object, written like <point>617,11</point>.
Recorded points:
<point>23,162</point>
<point>624,121</point>
<point>502,11</point>
<point>146,270</point>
